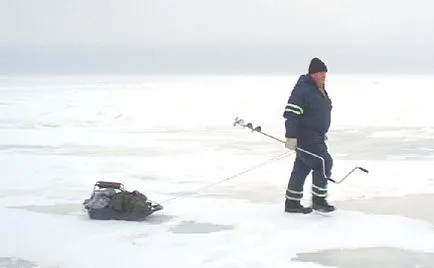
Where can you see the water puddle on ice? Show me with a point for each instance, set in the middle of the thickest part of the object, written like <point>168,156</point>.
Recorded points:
<point>412,206</point>
<point>368,257</point>
<point>59,209</point>
<point>191,227</point>
<point>16,263</point>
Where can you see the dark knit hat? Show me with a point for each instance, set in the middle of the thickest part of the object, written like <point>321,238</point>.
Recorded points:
<point>316,66</point>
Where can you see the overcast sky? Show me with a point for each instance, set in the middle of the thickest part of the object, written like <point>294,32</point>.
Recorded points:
<point>223,36</point>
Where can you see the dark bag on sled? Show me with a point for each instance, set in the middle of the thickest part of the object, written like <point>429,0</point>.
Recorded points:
<point>111,202</point>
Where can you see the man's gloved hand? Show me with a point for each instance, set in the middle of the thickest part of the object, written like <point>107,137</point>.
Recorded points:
<point>291,143</point>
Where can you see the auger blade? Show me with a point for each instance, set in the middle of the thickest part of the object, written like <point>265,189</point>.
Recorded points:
<point>239,121</point>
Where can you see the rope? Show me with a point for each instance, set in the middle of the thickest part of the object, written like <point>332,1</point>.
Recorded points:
<point>281,156</point>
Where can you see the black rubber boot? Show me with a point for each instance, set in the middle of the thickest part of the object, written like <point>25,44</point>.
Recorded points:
<point>293,206</point>
<point>321,204</point>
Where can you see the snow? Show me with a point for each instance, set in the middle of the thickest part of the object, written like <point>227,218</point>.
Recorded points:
<point>171,135</point>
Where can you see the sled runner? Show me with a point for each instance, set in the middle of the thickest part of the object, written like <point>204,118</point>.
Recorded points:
<point>110,201</point>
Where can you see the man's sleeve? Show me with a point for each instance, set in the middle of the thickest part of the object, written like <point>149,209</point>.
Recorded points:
<point>293,112</point>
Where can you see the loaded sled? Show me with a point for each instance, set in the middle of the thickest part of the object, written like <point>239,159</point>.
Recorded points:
<point>110,201</point>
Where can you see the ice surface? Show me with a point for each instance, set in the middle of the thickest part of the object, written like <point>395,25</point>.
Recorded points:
<point>168,136</point>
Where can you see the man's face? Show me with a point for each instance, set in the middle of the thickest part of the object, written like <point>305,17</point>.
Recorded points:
<point>319,79</point>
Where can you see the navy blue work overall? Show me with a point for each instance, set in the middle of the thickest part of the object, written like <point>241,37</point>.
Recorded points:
<point>307,115</point>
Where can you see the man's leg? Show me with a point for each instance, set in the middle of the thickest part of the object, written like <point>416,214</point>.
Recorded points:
<point>294,192</point>
<point>319,184</point>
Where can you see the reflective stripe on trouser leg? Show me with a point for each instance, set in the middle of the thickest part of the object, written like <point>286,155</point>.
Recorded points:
<point>296,181</point>
<point>294,195</point>
<point>319,191</point>
<point>319,185</point>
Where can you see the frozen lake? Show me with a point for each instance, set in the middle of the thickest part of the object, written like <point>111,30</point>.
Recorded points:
<point>169,136</point>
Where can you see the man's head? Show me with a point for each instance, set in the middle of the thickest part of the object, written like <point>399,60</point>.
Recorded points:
<point>318,70</point>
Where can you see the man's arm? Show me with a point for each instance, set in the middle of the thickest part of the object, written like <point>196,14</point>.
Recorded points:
<point>293,111</point>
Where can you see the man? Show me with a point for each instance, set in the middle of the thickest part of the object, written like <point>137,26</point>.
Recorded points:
<point>307,115</point>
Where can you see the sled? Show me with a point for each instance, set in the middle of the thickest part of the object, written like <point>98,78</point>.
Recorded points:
<point>105,203</point>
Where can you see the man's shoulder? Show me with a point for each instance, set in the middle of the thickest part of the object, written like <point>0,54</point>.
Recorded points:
<point>304,83</point>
